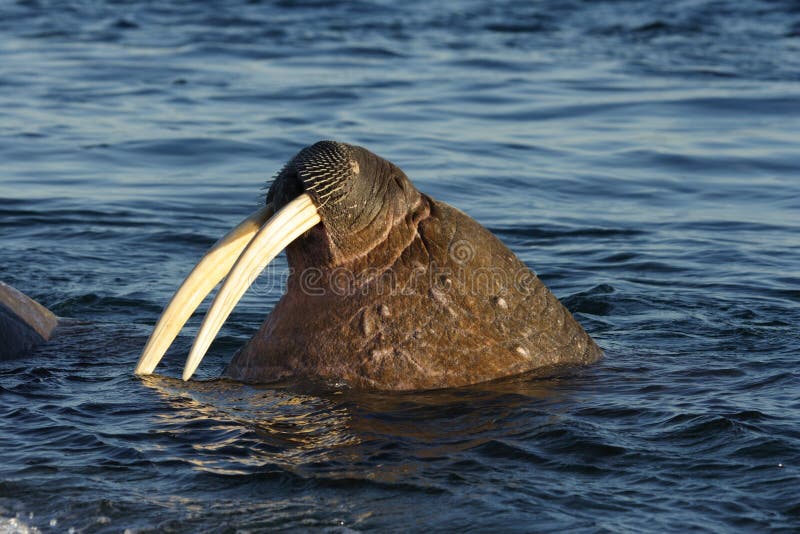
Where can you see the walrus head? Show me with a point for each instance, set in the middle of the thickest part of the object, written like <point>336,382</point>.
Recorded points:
<point>360,198</point>
<point>389,289</point>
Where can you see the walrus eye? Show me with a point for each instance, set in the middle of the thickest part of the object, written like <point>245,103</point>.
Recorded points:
<point>251,245</point>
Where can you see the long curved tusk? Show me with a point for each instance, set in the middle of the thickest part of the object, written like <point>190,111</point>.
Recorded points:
<point>208,272</point>
<point>289,223</point>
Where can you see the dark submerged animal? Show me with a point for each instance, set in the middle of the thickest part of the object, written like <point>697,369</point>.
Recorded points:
<point>24,323</point>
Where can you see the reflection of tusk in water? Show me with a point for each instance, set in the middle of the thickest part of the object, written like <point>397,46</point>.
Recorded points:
<point>264,426</point>
<point>207,273</point>
<point>289,223</point>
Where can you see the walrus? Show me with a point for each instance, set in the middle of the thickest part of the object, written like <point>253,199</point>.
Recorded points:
<point>24,323</point>
<point>388,289</point>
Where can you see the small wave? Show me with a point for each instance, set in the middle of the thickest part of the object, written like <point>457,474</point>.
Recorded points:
<point>521,27</point>
<point>196,150</point>
<point>546,232</point>
<point>82,305</point>
<point>598,301</point>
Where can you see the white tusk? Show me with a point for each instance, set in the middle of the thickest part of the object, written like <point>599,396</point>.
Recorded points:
<point>208,272</point>
<point>289,223</point>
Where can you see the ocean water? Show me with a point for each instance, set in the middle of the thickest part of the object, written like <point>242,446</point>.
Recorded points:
<point>644,159</point>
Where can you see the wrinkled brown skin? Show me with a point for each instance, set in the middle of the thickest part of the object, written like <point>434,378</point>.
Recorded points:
<point>434,301</point>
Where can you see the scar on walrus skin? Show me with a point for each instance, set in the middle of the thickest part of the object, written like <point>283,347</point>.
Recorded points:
<point>389,288</point>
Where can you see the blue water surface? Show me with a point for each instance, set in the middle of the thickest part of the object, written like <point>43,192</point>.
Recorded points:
<point>642,157</point>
